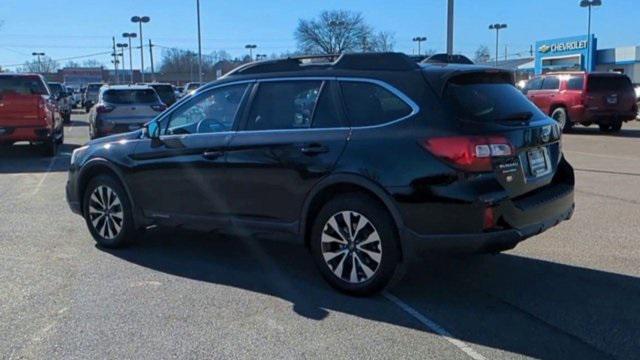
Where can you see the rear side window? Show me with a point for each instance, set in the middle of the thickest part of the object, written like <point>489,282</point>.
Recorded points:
<point>23,85</point>
<point>325,114</point>
<point>143,96</point>
<point>488,99</point>
<point>370,104</point>
<point>575,83</point>
<point>284,105</point>
<point>551,83</point>
<point>608,83</point>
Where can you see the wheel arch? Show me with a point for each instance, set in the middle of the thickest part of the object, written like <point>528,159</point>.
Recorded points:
<point>341,184</point>
<point>100,166</point>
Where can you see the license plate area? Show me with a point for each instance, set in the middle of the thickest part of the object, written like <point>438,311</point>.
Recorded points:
<point>538,159</point>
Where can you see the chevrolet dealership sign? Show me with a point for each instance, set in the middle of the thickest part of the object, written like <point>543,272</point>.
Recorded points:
<point>563,46</point>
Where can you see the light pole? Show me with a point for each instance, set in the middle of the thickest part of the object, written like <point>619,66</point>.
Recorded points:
<point>122,46</point>
<point>497,28</point>
<point>589,4</point>
<point>450,27</point>
<point>250,47</point>
<point>38,54</point>
<point>199,43</point>
<point>140,20</point>
<point>419,40</point>
<point>130,36</point>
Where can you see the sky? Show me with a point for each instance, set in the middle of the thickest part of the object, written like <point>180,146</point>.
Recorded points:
<point>72,28</point>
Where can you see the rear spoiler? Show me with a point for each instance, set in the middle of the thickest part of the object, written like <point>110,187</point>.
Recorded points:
<point>440,81</point>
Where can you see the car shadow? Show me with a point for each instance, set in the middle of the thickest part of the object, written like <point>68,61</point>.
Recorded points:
<point>526,306</point>
<point>594,130</point>
<point>29,159</point>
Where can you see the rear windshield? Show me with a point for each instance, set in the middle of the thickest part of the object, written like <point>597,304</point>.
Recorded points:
<point>488,98</point>
<point>130,96</point>
<point>94,87</point>
<point>56,89</point>
<point>165,91</point>
<point>22,85</point>
<point>608,83</point>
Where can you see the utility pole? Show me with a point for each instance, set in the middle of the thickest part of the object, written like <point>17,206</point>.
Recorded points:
<point>505,53</point>
<point>199,43</point>
<point>115,59</point>
<point>530,50</point>
<point>450,27</point>
<point>153,73</point>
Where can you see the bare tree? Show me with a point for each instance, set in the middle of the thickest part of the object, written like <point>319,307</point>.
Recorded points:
<point>482,55</point>
<point>72,64</point>
<point>384,41</point>
<point>333,32</point>
<point>43,65</point>
<point>92,63</point>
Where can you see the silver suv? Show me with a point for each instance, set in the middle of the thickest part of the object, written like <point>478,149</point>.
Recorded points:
<point>123,108</point>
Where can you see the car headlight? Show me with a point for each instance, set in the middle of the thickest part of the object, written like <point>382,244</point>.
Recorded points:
<point>77,153</point>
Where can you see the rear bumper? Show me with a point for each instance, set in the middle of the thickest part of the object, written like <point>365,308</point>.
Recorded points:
<point>12,134</point>
<point>494,241</point>
<point>581,114</point>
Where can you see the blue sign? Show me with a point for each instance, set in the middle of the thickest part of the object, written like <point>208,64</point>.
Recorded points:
<point>565,54</point>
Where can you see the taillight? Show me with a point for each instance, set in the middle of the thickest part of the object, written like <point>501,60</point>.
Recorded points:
<point>101,109</point>
<point>471,153</point>
<point>159,108</point>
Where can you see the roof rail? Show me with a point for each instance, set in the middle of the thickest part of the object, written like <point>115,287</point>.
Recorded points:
<point>447,59</point>
<point>351,61</point>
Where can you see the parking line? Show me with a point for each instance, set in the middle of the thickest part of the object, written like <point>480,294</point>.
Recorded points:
<point>433,326</point>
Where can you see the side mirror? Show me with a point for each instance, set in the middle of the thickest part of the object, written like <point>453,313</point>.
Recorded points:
<point>153,130</point>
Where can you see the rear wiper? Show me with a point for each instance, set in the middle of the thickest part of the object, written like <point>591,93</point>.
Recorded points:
<point>519,116</point>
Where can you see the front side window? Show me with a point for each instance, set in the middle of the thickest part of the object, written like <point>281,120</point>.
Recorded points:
<point>533,84</point>
<point>209,112</point>
<point>370,104</point>
<point>284,105</point>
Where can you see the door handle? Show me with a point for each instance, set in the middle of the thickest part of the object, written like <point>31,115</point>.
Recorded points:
<point>314,149</point>
<point>212,155</point>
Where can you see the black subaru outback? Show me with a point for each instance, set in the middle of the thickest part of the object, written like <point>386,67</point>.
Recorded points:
<point>367,159</point>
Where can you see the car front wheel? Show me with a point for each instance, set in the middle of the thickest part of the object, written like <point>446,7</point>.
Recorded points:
<point>355,246</point>
<point>108,213</point>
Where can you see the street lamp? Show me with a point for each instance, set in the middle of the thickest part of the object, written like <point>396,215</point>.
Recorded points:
<point>589,4</point>
<point>38,54</point>
<point>130,36</point>
<point>250,47</point>
<point>419,40</point>
<point>261,56</point>
<point>140,20</point>
<point>497,28</point>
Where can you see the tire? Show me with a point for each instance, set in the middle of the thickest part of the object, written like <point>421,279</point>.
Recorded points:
<point>605,128</point>
<point>50,146</point>
<point>560,115</point>
<point>616,126</point>
<point>108,212</point>
<point>377,262</point>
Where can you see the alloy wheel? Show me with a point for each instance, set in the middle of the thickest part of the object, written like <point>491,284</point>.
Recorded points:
<point>105,212</point>
<point>351,247</point>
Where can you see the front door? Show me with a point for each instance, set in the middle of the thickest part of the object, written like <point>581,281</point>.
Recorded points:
<point>179,176</point>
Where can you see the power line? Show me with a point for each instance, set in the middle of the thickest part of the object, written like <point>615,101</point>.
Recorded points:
<point>64,59</point>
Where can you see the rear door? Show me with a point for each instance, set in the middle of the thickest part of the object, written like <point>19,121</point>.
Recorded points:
<point>180,177</point>
<point>292,136</point>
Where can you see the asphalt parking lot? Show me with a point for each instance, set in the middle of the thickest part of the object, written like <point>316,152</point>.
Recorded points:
<point>572,292</point>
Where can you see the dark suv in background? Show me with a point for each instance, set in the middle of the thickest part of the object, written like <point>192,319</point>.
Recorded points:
<point>606,99</point>
<point>368,159</point>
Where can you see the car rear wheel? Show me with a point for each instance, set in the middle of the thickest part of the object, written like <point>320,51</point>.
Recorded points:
<point>49,147</point>
<point>355,246</point>
<point>108,213</point>
<point>560,115</point>
<point>611,127</point>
